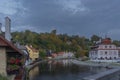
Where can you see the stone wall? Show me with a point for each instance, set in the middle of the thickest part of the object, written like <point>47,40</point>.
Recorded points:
<point>3,61</point>
<point>113,74</point>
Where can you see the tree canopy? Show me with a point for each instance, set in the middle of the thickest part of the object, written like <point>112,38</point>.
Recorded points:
<point>56,42</point>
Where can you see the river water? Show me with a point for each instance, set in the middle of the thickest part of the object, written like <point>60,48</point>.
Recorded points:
<point>62,70</point>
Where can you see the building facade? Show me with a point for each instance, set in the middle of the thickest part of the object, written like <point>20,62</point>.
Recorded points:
<point>11,58</point>
<point>3,59</point>
<point>33,53</point>
<point>105,51</point>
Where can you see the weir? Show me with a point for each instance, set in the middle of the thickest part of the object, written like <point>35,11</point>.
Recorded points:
<point>113,74</point>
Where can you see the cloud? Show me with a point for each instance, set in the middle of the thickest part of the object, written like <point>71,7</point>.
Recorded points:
<point>82,17</point>
<point>27,27</point>
<point>10,7</point>
<point>73,6</point>
<point>114,33</point>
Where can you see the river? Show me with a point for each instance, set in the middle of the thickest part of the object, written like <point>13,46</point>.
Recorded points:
<point>62,70</point>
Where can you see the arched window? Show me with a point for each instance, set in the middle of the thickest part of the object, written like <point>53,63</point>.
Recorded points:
<point>115,58</point>
<point>105,57</point>
<point>106,52</point>
<point>101,58</point>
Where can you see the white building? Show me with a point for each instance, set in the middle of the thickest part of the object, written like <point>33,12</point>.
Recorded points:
<point>105,51</point>
<point>65,55</point>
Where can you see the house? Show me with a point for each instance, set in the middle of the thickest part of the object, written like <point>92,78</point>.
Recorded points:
<point>54,55</point>
<point>11,58</point>
<point>105,51</point>
<point>65,55</point>
<point>33,53</point>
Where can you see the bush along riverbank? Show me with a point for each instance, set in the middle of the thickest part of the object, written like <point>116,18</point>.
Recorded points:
<point>3,77</point>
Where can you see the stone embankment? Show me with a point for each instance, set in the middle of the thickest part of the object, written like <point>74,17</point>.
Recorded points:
<point>112,74</point>
<point>89,63</point>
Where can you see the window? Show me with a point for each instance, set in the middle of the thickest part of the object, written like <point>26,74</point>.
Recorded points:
<point>109,46</point>
<point>110,58</point>
<point>106,58</point>
<point>105,46</point>
<point>106,52</point>
<point>119,54</point>
<point>101,58</point>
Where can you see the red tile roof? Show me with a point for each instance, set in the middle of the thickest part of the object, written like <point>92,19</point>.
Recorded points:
<point>6,43</point>
<point>106,41</point>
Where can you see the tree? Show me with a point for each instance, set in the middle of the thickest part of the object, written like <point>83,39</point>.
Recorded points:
<point>42,53</point>
<point>95,38</point>
<point>54,42</point>
<point>116,42</point>
<point>54,31</point>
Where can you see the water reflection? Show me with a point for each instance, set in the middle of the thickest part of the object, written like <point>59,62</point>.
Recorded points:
<point>62,70</point>
<point>34,72</point>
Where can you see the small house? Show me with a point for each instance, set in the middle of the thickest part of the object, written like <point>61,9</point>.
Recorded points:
<point>11,58</point>
<point>33,53</point>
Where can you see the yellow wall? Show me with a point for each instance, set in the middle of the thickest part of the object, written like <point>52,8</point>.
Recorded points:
<point>32,54</point>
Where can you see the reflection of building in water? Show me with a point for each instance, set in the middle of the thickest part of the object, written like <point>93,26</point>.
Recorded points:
<point>66,62</point>
<point>33,72</point>
<point>50,65</point>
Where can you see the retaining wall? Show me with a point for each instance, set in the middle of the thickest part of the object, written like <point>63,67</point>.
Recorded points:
<point>113,74</point>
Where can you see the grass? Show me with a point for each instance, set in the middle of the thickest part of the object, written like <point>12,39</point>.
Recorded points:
<point>3,77</point>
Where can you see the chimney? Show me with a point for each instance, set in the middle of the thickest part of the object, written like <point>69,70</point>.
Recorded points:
<point>7,28</point>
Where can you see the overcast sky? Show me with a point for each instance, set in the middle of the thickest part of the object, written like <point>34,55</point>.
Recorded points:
<point>79,17</point>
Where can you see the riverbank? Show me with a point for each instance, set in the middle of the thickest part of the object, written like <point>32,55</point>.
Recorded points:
<point>89,63</point>
<point>112,74</point>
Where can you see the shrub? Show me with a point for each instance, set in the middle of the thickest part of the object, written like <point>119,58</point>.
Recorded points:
<point>3,77</point>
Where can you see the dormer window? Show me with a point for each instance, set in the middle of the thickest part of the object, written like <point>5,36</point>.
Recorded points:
<point>110,46</point>
<point>105,46</point>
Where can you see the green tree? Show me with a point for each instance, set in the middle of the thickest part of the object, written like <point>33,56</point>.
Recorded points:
<point>42,54</point>
<point>54,31</point>
<point>54,42</point>
<point>116,42</point>
<point>95,38</point>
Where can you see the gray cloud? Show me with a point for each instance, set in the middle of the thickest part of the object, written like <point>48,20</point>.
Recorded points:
<point>82,17</point>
